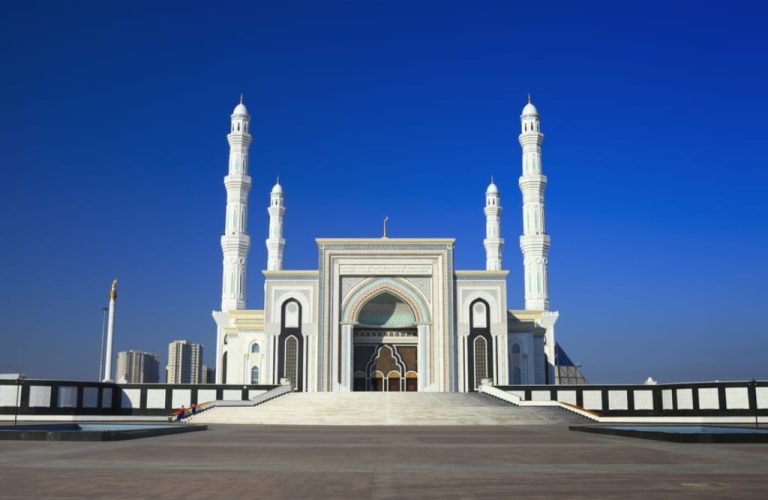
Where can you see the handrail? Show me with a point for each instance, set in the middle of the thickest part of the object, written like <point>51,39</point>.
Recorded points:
<point>518,401</point>
<point>278,391</point>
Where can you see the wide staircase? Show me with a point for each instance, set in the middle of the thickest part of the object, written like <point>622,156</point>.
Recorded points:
<point>386,408</point>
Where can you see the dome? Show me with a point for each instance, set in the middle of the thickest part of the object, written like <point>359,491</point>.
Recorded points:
<point>278,189</point>
<point>530,109</point>
<point>492,189</point>
<point>240,110</point>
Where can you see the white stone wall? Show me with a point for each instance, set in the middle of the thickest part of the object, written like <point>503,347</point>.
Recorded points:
<point>156,398</point>
<point>709,398</point>
<point>494,293</point>
<point>10,395</point>
<point>643,399</point>
<point>539,368</point>
<point>527,346</point>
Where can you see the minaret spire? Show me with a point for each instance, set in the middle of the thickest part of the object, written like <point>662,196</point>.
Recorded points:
<point>275,241</point>
<point>235,242</point>
<point>493,242</point>
<point>534,242</point>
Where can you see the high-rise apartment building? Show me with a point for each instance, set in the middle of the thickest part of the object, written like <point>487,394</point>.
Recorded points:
<point>136,367</point>
<point>209,375</point>
<point>184,362</point>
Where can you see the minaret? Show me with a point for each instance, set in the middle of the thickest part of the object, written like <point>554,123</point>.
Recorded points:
<point>110,332</point>
<point>535,241</point>
<point>493,242</point>
<point>235,242</point>
<point>275,242</point>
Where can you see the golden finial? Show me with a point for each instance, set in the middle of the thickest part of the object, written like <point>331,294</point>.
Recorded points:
<point>113,290</point>
<point>386,218</point>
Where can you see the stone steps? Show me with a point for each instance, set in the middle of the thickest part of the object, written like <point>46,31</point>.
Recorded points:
<point>386,408</point>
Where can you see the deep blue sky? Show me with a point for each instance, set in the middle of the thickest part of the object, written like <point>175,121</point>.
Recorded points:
<point>113,118</point>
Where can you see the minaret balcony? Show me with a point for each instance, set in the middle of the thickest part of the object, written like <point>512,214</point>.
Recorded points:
<point>532,182</point>
<point>235,243</point>
<point>239,139</point>
<point>531,138</point>
<point>538,243</point>
<point>237,181</point>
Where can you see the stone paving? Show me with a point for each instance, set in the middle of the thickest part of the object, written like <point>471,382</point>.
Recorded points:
<point>238,461</point>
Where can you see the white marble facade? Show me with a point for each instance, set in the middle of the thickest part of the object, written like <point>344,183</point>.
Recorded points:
<point>386,314</point>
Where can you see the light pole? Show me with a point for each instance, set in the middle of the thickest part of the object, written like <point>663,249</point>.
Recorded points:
<point>103,329</point>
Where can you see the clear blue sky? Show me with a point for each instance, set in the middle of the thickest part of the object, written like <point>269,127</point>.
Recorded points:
<point>113,118</point>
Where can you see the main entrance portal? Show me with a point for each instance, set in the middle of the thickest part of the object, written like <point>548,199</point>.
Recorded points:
<point>385,367</point>
<point>385,346</point>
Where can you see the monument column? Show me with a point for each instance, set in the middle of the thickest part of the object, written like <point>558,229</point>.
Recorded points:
<point>110,332</point>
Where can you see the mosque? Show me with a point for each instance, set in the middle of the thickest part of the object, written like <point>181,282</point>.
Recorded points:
<point>386,314</point>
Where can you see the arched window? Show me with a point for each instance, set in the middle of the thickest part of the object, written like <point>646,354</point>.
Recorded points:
<point>479,315</point>
<point>290,348</point>
<point>255,375</point>
<point>292,359</point>
<point>481,360</point>
<point>255,348</point>
<point>292,315</point>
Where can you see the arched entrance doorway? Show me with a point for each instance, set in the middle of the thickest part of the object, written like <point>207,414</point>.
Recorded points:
<point>480,354</point>
<point>290,345</point>
<point>385,346</point>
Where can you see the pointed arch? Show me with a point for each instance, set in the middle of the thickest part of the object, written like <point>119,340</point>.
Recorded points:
<point>400,289</point>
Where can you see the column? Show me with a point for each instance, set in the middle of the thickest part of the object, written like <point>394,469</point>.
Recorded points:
<point>422,357</point>
<point>346,357</point>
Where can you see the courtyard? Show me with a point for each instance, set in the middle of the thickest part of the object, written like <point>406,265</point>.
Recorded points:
<point>236,461</point>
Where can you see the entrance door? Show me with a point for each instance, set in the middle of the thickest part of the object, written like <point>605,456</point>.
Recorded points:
<point>393,381</point>
<point>411,382</point>
<point>385,367</point>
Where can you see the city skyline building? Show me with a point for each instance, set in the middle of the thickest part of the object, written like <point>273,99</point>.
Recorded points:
<point>184,362</point>
<point>209,375</point>
<point>137,367</point>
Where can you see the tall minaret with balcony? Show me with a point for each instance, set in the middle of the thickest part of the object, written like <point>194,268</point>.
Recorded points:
<point>235,242</point>
<point>275,242</point>
<point>493,242</point>
<point>535,241</point>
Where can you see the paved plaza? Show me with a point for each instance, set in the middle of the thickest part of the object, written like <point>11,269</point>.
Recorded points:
<point>231,461</point>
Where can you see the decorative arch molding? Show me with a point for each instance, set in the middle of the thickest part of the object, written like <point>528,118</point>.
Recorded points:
<point>276,316</point>
<point>492,302</point>
<point>399,288</point>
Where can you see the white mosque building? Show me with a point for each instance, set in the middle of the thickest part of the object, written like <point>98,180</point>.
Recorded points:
<point>385,314</point>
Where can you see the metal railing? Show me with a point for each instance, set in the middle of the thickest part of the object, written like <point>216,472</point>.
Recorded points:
<point>285,388</point>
